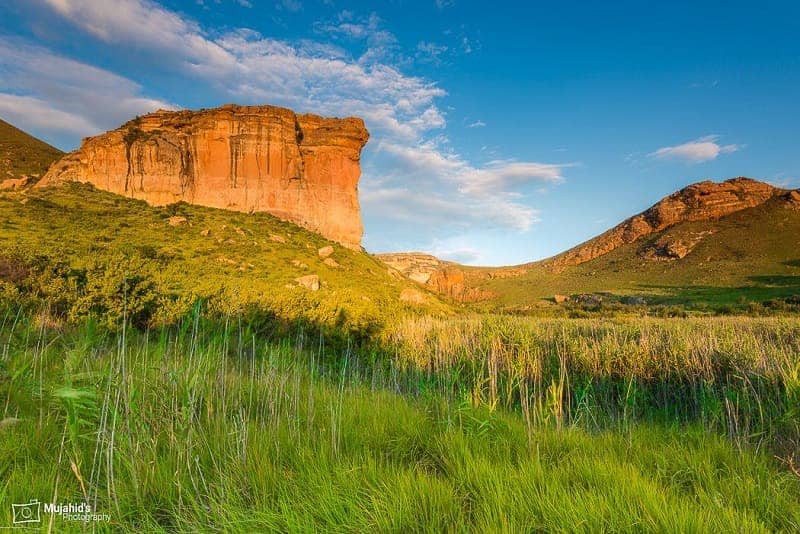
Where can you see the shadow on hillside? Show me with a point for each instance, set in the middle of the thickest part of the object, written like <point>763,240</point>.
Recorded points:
<point>776,280</point>
<point>762,289</point>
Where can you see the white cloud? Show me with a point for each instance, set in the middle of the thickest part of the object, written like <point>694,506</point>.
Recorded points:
<point>483,195</point>
<point>697,151</point>
<point>449,213</point>
<point>476,124</point>
<point>407,174</point>
<point>33,114</point>
<point>497,176</point>
<point>45,92</point>
<point>148,26</point>
<point>504,174</point>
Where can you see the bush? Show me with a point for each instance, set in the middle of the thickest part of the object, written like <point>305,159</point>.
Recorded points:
<point>114,289</point>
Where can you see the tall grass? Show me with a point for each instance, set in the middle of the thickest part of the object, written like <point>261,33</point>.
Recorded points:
<point>737,376</point>
<point>214,427</point>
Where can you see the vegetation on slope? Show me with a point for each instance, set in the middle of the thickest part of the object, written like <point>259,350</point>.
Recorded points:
<point>749,256</point>
<point>207,427</point>
<point>83,252</point>
<point>22,154</point>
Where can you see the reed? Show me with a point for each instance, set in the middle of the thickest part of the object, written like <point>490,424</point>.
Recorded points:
<point>465,425</point>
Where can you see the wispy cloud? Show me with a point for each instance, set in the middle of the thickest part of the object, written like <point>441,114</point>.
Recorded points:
<point>446,212</point>
<point>290,5</point>
<point>697,151</point>
<point>486,195</point>
<point>381,44</point>
<point>432,160</point>
<point>48,93</point>
<point>430,52</point>
<point>704,85</point>
<point>34,114</point>
<point>476,124</point>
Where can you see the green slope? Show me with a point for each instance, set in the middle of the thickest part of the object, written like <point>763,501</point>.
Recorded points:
<point>751,255</point>
<point>234,261</point>
<point>22,154</point>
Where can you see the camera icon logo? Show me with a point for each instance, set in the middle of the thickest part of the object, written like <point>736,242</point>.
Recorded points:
<point>28,512</point>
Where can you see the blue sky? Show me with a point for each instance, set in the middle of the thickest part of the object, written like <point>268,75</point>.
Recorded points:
<point>501,133</point>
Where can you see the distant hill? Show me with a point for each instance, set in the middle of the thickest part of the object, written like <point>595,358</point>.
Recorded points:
<point>708,244</point>
<point>22,155</point>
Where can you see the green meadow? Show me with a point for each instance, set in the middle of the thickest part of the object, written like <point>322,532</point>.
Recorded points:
<point>475,424</point>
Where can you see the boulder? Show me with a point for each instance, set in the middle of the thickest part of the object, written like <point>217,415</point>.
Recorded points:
<point>792,199</point>
<point>178,221</point>
<point>560,299</point>
<point>15,183</point>
<point>324,252</point>
<point>277,238</point>
<point>310,281</point>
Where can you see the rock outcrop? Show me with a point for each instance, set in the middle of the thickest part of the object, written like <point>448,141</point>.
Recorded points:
<point>414,265</point>
<point>444,277</point>
<point>792,199</point>
<point>300,168</point>
<point>698,202</point>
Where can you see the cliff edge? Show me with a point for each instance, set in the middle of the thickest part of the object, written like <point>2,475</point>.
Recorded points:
<point>300,168</point>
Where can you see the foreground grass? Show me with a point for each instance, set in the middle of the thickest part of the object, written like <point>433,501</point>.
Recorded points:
<point>213,427</point>
<point>736,376</point>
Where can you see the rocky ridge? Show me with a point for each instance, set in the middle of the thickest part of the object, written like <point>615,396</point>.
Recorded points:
<point>703,201</point>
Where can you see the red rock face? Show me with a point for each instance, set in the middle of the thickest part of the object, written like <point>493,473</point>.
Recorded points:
<point>301,168</point>
<point>698,202</point>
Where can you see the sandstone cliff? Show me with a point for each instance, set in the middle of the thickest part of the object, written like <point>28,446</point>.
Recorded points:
<point>301,168</point>
<point>697,202</point>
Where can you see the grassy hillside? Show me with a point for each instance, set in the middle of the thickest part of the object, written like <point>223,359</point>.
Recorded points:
<point>752,255</point>
<point>23,154</point>
<point>83,252</point>
<point>205,428</point>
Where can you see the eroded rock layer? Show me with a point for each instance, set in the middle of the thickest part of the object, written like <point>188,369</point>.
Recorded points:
<point>301,168</point>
